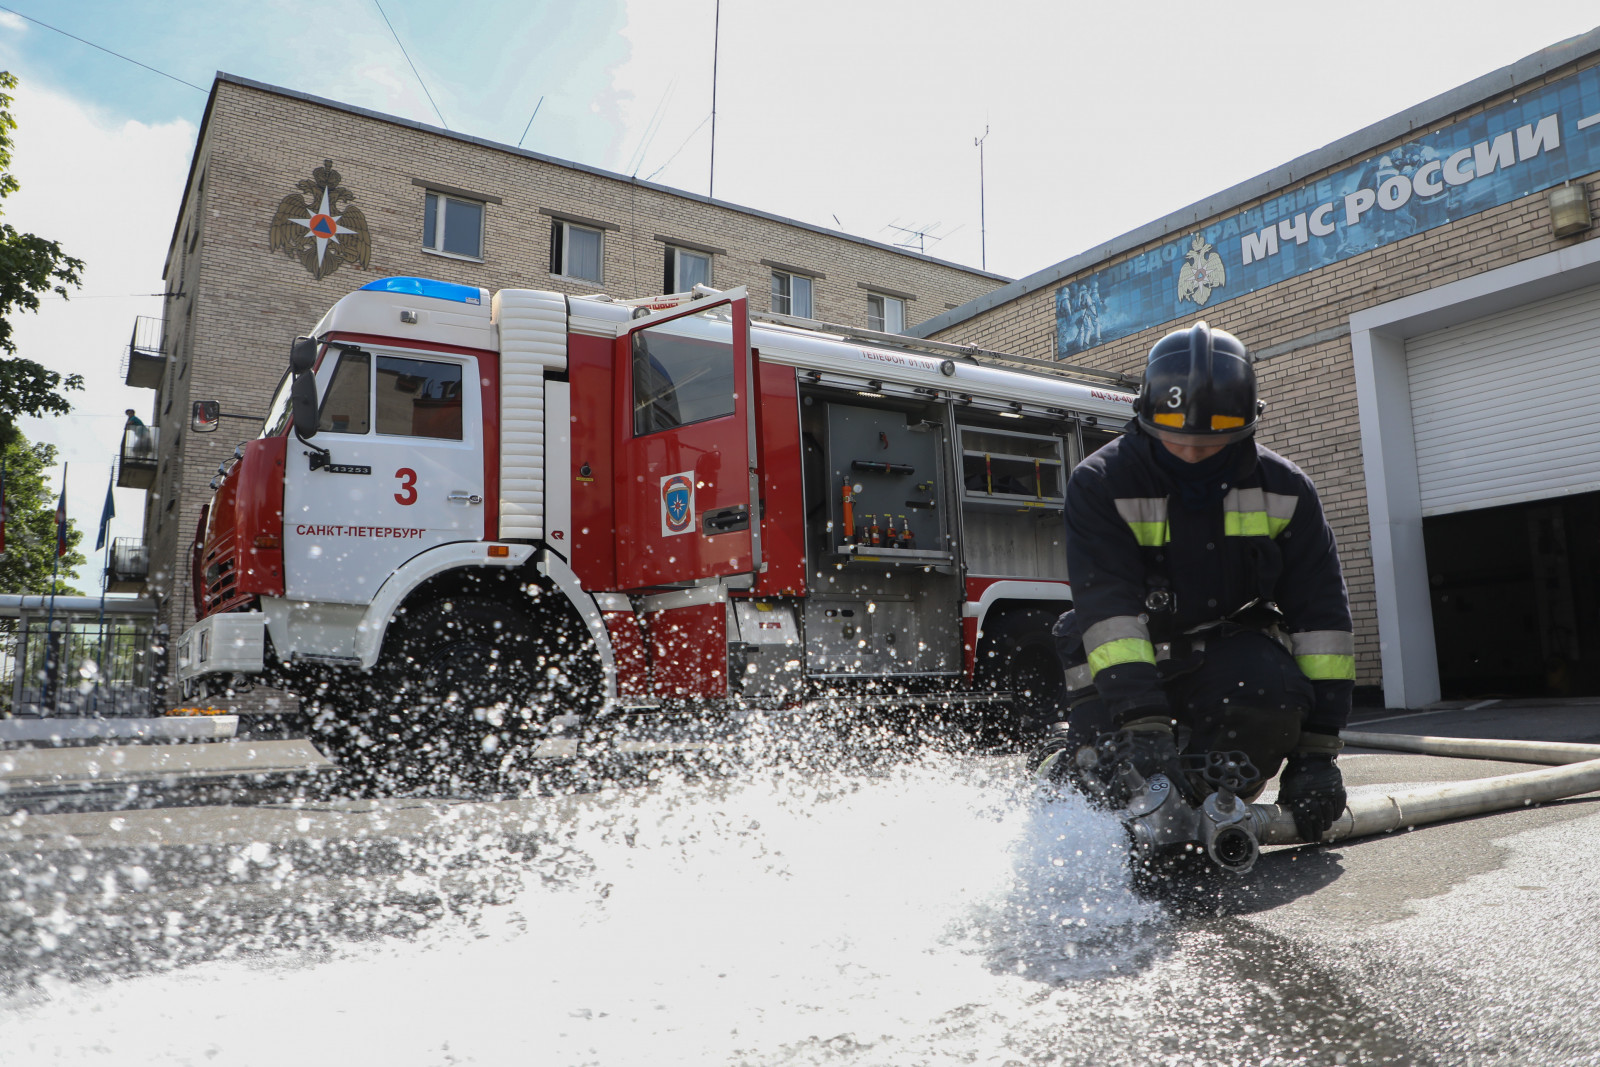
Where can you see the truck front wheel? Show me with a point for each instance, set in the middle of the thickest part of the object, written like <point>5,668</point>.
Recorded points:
<point>455,703</point>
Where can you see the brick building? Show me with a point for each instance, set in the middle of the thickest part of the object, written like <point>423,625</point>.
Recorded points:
<point>1424,299</point>
<point>293,201</point>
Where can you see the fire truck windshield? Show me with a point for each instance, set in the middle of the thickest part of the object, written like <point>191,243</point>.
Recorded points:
<point>279,413</point>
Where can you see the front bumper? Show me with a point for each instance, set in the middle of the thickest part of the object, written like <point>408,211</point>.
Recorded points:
<point>233,642</point>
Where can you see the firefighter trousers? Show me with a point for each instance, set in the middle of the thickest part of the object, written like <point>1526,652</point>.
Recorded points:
<point>1241,691</point>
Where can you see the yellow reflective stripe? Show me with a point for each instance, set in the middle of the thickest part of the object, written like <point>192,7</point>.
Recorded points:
<point>1326,668</point>
<point>1151,534</point>
<point>1256,513</point>
<point>1245,524</point>
<point>1123,650</point>
<point>1119,639</point>
<point>1146,516</point>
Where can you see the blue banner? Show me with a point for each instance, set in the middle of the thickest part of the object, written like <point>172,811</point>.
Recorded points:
<point>1540,139</point>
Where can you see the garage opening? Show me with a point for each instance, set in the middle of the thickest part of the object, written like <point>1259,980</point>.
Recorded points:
<point>1516,598</point>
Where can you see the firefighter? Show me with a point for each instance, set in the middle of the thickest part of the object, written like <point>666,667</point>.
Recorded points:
<point>1210,613</point>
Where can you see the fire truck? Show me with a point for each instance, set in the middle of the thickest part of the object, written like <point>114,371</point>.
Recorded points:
<point>530,501</point>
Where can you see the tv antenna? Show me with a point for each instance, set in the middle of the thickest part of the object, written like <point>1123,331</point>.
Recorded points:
<point>919,236</point>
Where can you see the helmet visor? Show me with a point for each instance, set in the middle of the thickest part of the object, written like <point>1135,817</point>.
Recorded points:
<point>1214,437</point>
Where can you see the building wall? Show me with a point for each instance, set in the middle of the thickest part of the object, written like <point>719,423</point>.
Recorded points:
<point>1301,325</point>
<point>234,305</point>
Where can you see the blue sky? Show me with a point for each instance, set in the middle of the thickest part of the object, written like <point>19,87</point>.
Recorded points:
<point>859,114</point>
<point>341,49</point>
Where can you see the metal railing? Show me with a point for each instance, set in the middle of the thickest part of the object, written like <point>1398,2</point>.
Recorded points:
<point>76,661</point>
<point>136,464</point>
<point>127,565</point>
<point>143,359</point>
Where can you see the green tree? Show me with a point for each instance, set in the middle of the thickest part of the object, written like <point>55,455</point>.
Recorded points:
<point>29,266</point>
<point>30,554</point>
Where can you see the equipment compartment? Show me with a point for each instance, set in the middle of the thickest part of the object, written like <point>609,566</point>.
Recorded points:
<point>886,485</point>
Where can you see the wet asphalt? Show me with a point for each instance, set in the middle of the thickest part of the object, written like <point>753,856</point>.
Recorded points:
<point>1474,941</point>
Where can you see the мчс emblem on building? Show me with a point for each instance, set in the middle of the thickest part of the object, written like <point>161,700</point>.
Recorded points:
<point>320,227</point>
<point>1202,271</point>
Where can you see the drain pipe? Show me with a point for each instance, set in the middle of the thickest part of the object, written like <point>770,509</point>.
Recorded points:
<point>1382,813</point>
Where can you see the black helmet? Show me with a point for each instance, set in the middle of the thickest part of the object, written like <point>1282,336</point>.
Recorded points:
<point>1199,388</point>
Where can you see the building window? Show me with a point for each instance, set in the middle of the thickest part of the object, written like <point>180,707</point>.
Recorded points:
<point>887,314</point>
<point>686,269</point>
<point>576,251</point>
<point>452,226</point>
<point>791,294</point>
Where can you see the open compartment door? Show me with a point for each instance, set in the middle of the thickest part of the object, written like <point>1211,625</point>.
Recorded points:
<point>686,446</point>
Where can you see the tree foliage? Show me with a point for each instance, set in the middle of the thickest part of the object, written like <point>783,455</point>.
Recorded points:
<point>30,554</point>
<point>29,266</point>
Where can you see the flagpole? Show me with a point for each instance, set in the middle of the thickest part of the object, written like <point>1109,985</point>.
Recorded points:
<point>105,571</point>
<point>50,618</point>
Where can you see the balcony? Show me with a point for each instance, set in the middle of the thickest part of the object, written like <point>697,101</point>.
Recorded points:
<point>127,565</point>
<point>144,363</point>
<point>136,467</point>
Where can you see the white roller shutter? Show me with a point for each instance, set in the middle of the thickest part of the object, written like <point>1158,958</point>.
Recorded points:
<point>533,338</point>
<point>1504,408</point>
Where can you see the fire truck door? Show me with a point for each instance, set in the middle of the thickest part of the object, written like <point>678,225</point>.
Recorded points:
<point>404,471</point>
<point>686,427</point>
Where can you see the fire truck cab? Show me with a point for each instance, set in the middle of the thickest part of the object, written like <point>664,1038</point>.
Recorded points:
<point>535,500</point>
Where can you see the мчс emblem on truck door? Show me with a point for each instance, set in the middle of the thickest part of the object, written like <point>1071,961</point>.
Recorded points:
<point>320,227</point>
<point>677,503</point>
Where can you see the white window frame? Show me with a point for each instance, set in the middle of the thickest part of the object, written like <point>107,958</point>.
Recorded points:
<point>438,224</point>
<point>559,270</point>
<point>811,294</point>
<point>678,252</point>
<point>884,302</point>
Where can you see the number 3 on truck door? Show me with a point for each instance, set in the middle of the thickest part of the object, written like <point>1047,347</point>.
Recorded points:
<point>408,486</point>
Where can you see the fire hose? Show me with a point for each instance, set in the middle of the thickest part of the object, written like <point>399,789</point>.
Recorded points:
<point>1161,821</point>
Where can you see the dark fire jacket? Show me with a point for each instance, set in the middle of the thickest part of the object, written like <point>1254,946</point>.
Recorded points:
<point>1129,535</point>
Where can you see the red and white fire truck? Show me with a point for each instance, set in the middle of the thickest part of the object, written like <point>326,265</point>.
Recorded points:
<point>634,504</point>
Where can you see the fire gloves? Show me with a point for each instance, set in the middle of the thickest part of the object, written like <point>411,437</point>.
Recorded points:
<point>1152,747</point>
<point>1311,787</point>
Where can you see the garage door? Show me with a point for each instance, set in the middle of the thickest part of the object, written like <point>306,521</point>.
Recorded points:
<point>1507,408</point>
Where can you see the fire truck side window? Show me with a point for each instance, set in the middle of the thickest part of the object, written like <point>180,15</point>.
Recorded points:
<point>347,405</point>
<point>419,398</point>
<point>678,380</point>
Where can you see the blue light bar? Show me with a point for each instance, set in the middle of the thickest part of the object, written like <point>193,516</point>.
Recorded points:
<point>461,294</point>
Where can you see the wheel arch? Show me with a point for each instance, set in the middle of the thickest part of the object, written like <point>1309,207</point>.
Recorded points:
<point>467,568</point>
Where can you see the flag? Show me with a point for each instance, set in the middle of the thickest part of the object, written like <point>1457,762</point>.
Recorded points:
<point>105,516</point>
<point>61,516</point>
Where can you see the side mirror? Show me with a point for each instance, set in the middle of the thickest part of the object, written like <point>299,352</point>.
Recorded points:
<point>302,355</point>
<point>303,404</point>
<point>206,417</point>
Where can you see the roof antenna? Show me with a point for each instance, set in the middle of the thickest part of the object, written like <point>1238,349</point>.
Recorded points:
<point>529,126</point>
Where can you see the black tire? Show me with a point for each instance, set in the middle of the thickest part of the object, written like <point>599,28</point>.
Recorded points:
<point>1017,654</point>
<point>454,706</point>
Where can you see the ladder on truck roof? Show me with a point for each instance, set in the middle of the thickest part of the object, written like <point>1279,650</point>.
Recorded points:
<point>970,353</point>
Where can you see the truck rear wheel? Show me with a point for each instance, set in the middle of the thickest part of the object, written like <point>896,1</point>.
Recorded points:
<point>1018,655</point>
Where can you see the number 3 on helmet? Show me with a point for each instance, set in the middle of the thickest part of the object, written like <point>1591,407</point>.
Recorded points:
<point>1199,388</point>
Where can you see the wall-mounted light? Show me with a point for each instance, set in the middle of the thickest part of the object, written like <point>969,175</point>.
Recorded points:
<point>1569,209</point>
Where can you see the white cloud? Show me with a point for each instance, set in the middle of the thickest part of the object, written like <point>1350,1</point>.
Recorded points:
<point>108,192</point>
<point>15,23</point>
